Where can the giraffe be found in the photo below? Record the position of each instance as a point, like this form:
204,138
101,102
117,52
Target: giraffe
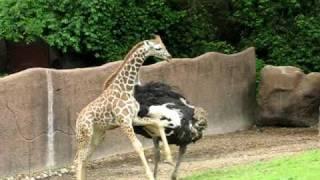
116,107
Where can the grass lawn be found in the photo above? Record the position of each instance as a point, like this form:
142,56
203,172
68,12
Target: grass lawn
304,166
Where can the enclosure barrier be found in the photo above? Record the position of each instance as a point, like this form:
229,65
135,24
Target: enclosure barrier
39,106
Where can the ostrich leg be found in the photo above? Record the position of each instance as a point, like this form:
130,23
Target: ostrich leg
182,151
128,130
156,150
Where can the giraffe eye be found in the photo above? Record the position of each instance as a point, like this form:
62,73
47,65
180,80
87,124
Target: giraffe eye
157,47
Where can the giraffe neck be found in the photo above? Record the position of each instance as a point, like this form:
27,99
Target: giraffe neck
127,77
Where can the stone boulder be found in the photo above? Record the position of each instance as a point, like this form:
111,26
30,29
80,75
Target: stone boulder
39,106
288,97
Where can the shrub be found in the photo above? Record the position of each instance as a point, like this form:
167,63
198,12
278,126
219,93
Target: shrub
284,32
105,28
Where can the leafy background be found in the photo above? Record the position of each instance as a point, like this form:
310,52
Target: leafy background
284,32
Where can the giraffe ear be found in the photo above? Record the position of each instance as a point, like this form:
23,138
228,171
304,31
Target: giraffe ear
157,38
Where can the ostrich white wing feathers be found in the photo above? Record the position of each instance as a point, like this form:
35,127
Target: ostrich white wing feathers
174,116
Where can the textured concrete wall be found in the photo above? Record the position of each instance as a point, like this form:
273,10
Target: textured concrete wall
33,99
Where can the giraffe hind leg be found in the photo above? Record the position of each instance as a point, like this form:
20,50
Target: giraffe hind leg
87,140
81,160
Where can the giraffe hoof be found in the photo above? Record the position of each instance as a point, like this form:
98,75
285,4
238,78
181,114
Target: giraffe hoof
150,176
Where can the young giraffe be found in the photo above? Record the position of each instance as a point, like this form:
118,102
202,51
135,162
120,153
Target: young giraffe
117,107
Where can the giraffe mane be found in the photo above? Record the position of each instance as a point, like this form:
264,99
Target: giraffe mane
156,38
126,58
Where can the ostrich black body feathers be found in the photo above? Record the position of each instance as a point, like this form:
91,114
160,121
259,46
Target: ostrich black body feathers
186,122
156,96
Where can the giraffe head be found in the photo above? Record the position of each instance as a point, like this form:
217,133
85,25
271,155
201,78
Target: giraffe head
156,48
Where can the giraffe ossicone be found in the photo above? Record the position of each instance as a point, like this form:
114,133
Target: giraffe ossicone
117,107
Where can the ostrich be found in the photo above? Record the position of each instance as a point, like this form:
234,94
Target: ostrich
187,122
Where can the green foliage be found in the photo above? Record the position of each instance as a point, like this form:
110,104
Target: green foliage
302,166
105,28
195,34
259,65
218,46
108,28
285,32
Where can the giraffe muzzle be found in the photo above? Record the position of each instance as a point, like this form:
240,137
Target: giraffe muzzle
169,58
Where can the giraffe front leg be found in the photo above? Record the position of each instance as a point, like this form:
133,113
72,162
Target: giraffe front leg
167,151
160,126
128,130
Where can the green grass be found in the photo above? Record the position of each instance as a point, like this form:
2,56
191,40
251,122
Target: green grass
304,166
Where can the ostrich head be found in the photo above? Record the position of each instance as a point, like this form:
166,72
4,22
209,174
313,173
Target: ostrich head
200,123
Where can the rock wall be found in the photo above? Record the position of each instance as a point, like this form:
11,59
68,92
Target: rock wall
39,106
288,97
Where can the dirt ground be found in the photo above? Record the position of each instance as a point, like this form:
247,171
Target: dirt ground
212,152
216,151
